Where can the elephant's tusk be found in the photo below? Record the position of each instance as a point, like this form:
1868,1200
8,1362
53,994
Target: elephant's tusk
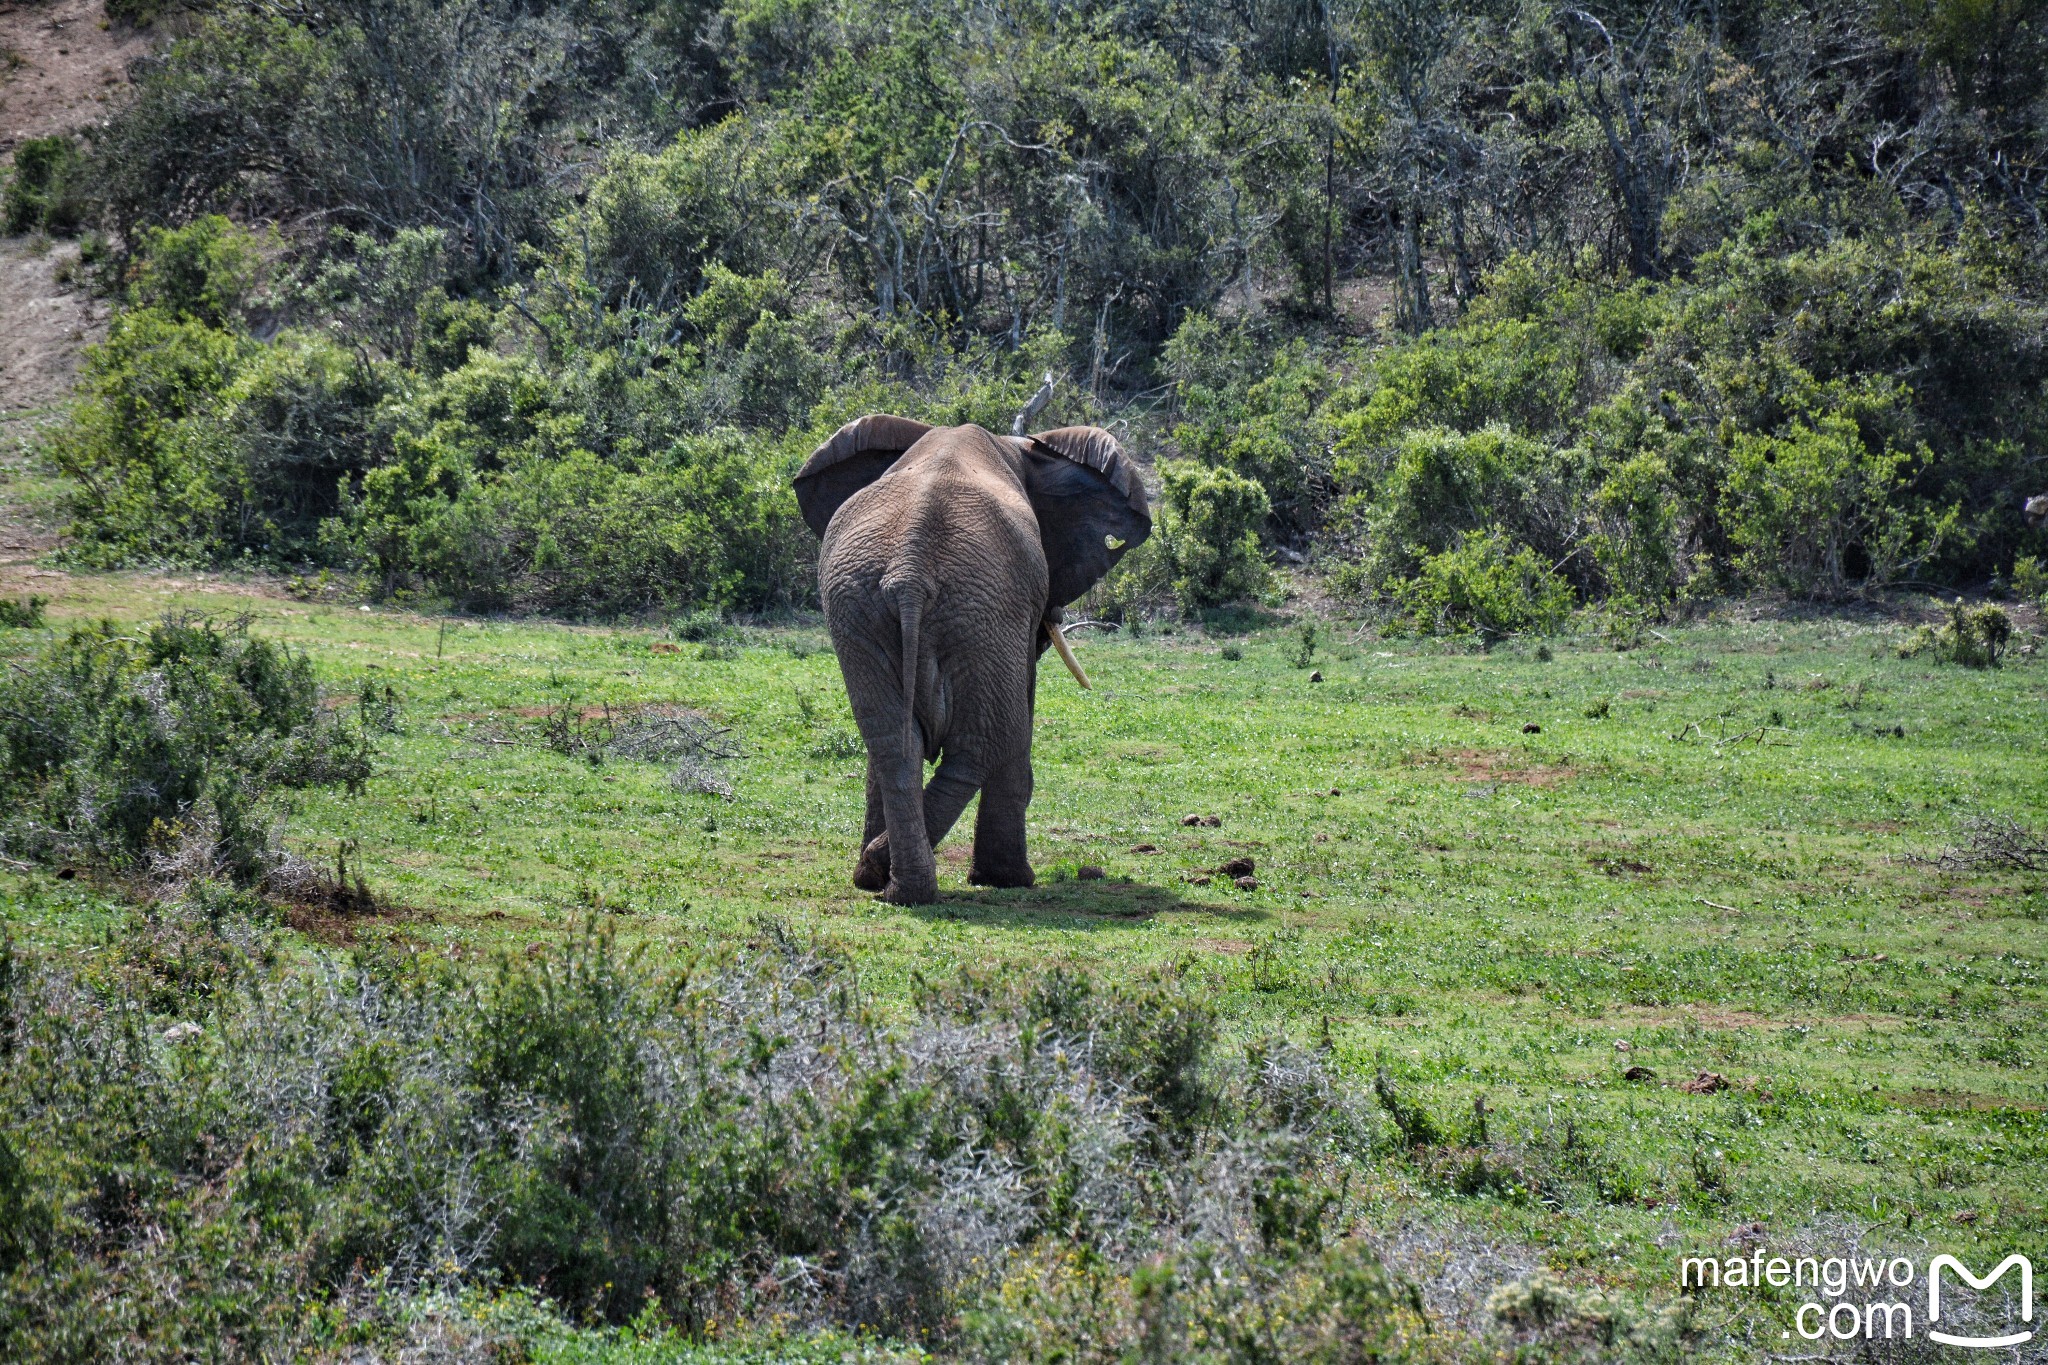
1059,642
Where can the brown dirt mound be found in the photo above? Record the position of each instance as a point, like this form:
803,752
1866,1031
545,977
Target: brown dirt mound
1494,765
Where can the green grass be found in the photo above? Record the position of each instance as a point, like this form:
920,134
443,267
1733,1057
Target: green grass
1701,861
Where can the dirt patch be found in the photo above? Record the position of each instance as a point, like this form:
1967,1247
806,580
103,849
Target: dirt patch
61,63
47,322
334,912
1494,765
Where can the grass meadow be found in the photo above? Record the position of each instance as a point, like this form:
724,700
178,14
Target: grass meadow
1655,944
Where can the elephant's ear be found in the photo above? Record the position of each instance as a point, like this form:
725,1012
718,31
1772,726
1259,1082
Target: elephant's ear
857,454
1091,506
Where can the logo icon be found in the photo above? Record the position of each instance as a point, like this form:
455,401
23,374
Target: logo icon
1934,1269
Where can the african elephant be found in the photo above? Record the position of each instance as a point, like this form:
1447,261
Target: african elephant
947,556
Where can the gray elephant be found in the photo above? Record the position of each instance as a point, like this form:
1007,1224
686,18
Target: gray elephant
947,556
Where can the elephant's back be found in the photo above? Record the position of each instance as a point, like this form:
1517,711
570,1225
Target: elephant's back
952,529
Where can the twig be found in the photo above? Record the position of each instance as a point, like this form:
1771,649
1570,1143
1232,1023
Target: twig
1716,905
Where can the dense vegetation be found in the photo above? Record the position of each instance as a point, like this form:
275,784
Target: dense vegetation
706,1145
152,755
537,303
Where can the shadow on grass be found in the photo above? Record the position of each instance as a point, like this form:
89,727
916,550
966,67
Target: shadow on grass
1239,619
1105,904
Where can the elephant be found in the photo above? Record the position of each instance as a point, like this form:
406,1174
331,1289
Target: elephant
947,556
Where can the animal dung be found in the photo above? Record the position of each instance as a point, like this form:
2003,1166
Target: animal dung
1195,879
1238,867
1316,676
1639,1073
1190,820
1144,848
664,647
1090,873
1706,1083
1247,883
1532,728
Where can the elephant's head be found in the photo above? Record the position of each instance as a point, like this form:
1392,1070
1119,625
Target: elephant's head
1090,502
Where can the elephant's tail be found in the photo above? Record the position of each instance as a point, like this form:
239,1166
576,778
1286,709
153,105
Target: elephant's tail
909,615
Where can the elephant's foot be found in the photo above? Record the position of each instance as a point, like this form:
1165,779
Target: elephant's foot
916,891
871,873
1001,874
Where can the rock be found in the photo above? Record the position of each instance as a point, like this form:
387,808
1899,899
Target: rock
1238,867
177,1033
1090,873
1247,883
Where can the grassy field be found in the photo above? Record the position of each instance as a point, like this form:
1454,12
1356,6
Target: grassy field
1503,879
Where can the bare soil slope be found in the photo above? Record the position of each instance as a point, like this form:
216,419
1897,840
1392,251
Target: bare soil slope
60,62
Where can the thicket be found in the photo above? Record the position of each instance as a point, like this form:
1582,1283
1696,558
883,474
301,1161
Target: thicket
294,1159
1678,300
153,754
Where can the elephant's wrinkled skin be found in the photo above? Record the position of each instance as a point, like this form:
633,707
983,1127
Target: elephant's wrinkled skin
957,549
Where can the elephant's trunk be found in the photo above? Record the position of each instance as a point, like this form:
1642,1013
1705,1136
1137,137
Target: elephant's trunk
1059,642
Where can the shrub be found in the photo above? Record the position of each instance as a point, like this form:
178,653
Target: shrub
1816,508
1444,486
46,191
2030,579
208,271
22,613
1974,637
733,1139
147,470
1208,532
155,753
1488,584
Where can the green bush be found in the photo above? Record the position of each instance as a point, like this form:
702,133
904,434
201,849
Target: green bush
1975,637
46,190
155,753
1208,534
1489,584
22,613
693,1147
2030,579
147,467
1444,486
1816,509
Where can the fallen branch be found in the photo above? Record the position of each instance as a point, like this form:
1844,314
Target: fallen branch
1033,406
1716,905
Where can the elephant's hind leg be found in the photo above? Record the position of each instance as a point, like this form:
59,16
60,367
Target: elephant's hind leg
1000,858
871,872
945,796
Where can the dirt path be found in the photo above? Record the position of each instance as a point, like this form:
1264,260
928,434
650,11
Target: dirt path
61,61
